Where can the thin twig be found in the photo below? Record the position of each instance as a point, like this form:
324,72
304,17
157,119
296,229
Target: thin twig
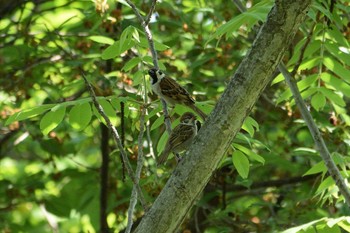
316,135
116,138
133,199
150,13
148,33
239,5
114,131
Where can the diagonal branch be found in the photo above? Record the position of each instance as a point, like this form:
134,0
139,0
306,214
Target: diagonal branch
316,135
117,140
322,148
205,153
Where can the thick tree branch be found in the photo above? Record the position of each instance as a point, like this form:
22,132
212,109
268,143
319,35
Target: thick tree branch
254,73
316,135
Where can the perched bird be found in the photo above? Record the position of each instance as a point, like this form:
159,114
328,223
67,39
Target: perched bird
169,90
181,137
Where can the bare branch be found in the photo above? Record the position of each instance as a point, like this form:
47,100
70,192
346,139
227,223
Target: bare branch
133,199
150,13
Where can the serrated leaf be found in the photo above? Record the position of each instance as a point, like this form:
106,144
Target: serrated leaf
318,101
131,64
51,120
28,113
80,116
241,163
102,39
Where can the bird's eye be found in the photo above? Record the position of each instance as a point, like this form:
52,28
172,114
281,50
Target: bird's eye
160,72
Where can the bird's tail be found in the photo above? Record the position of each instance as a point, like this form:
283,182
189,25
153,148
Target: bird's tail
199,112
163,157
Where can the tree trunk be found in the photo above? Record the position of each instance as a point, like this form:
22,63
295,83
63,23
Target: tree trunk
254,73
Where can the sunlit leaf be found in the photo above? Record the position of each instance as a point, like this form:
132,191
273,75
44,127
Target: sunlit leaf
102,39
51,120
318,101
80,116
131,64
28,113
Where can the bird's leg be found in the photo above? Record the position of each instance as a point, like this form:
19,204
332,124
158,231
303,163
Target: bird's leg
177,157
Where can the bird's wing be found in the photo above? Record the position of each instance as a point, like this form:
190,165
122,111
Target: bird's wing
180,134
170,88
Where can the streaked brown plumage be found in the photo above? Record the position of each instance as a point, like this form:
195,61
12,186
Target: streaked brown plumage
168,89
181,137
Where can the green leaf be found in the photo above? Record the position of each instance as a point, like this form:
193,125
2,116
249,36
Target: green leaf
116,49
157,123
28,113
249,125
317,168
336,35
137,78
333,97
325,184
250,17
241,163
341,53
318,101
252,155
307,82
80,116
51,120
336,83
102,39
309,64
337,68
131,64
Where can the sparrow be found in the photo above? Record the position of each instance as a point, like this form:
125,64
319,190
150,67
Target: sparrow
169,90
180,137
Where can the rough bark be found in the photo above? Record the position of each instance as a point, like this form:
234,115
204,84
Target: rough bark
254,73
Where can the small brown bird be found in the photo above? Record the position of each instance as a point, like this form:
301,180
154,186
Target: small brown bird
181,137
169,90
